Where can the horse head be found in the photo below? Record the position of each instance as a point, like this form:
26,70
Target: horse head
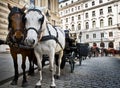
35,22
16,23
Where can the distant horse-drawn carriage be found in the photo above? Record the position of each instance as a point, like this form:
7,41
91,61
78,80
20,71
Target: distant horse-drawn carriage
73,50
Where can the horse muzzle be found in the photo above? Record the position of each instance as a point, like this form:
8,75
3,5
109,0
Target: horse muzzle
29,42
18,36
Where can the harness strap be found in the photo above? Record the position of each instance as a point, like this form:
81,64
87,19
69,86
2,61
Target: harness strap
49,37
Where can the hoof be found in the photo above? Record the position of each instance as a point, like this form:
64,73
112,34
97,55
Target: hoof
24,84
52,86
14,82
38,86
31,74
56,77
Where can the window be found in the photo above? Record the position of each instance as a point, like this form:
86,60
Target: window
101,23
66,11
102,35
79,26
71,1
87,36
100,1
66,19
61,21
110,34
87,25
66,27
93,3
78,7
110,21
86,5
66,4
109,9
93,24
101,11
94,35
93,13
72,9
86,15
72,18
79,17
72,27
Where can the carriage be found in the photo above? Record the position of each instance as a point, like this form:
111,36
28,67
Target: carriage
73,51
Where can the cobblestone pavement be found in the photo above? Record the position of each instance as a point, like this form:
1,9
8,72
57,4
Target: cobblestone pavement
102,72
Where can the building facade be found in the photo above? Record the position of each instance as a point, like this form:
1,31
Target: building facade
96,20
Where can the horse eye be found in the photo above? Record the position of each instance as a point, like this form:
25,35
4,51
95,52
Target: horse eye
39,19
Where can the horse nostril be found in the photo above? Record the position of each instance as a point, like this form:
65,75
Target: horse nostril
33,41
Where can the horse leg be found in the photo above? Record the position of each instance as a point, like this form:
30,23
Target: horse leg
24,82
39,63
52,61
31,65
59,64
14,81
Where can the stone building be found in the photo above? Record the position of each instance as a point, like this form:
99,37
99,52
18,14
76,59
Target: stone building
97,20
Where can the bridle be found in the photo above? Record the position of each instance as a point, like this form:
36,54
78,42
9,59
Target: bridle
32,28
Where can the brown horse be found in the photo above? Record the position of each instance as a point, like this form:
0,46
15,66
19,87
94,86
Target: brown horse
111,51
15,40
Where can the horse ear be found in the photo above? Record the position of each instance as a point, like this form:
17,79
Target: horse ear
23,9
9,6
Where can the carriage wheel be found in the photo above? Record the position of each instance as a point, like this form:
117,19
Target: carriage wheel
71,61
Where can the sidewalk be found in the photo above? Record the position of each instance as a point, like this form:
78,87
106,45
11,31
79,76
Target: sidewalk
7,67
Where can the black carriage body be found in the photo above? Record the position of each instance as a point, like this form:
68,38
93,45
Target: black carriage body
82,49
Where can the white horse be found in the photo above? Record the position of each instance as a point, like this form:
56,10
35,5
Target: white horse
45,39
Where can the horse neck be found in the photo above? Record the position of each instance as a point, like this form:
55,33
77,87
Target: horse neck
49,30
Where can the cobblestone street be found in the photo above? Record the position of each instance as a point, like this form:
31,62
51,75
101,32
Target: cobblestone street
101,72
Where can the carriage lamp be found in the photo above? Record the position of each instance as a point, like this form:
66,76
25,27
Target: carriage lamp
80,35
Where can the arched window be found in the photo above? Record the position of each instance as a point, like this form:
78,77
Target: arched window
102,44
101,23
87,25
110,45
93,24
72,27
110,21
79,26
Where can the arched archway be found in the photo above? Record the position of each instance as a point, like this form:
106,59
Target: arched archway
102,44
111,45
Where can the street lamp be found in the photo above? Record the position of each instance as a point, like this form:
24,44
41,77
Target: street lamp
80,35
